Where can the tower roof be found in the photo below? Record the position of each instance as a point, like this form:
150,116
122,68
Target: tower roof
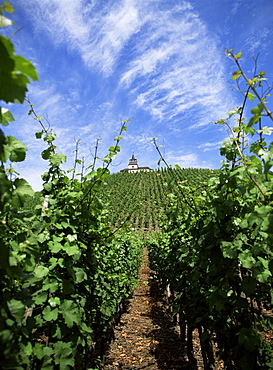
133,160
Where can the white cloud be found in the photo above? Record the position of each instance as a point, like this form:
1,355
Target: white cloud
258,40
178,68
211,146
187,160
63,19
235,6
165,56
116,28
146,64
97,32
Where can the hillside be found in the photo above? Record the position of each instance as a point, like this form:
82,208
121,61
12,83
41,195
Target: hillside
140,199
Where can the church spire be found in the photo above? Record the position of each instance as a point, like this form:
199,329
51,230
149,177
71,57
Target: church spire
133,166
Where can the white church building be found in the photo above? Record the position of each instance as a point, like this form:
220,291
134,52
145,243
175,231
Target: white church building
133,167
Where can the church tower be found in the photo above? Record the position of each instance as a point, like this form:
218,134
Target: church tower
133,166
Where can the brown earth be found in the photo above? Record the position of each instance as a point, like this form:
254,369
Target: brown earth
146,336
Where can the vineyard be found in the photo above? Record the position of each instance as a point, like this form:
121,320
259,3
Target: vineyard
141,200
70,255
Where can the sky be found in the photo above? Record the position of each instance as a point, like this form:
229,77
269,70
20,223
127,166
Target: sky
160,63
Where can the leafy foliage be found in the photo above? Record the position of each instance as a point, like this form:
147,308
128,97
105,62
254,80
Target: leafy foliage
215,252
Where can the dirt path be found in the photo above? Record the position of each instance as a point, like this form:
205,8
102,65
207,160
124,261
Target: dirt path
146,337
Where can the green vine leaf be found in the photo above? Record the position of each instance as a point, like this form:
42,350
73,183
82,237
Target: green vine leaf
39,134
54,301
13,81
5,116
57,159
4,21
70,313
21,192
236,75
251,96
17,310
50,315
49,137
47,153
40,298
64,355
7,7
265,130
38,351
41,271
25,66
238,56
15,149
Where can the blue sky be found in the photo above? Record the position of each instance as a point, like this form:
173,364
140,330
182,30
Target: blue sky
160,63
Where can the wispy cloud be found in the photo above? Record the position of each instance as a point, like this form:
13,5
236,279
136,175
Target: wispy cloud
235,6
117,27
258,41
178,68
164,55
193,160
97,31
187,160
210,146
